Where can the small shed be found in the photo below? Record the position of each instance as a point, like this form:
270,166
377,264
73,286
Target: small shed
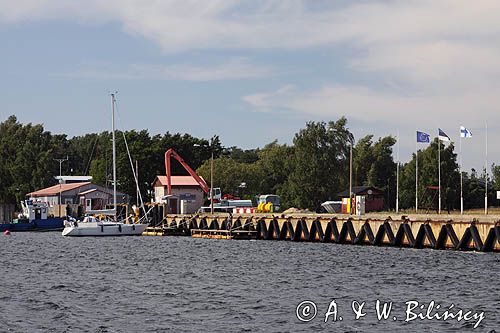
184,188
374,197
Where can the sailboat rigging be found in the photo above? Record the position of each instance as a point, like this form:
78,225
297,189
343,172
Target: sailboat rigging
93,226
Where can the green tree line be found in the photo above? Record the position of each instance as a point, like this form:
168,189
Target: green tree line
313,169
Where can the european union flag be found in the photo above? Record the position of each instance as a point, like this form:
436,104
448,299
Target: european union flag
423,137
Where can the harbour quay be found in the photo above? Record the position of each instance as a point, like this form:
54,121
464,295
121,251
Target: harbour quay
440,232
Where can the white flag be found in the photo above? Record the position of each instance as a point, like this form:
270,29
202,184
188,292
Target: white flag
464,132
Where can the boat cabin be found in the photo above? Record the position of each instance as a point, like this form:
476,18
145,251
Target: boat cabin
34,210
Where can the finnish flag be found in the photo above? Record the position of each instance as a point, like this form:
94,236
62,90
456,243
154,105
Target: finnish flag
442,135
464,132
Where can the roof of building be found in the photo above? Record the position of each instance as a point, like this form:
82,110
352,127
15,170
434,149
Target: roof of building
177,180
361,190
74,178
56,189
88,191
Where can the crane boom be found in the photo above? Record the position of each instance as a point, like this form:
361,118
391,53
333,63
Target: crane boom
172,153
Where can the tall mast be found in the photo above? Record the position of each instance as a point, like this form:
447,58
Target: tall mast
114,153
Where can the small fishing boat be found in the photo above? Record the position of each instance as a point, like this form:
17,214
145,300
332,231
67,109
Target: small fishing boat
108,225
34,217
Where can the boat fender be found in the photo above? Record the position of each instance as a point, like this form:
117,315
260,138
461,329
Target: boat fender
6,233
75,224
102,228
133,227
119,227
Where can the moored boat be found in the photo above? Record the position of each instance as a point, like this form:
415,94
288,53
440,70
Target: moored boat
332,207
92,226
34,218
109,225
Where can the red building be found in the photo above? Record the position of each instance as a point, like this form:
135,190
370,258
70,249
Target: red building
374,197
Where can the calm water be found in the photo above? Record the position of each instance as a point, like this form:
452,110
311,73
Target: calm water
179,284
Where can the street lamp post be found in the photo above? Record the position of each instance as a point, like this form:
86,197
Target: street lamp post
331,129
60,160
211,194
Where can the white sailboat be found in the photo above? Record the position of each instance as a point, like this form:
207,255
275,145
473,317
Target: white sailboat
93,226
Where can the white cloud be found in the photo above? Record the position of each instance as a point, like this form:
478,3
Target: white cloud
187,24
414,40
421,61
269,100
369,105
233,69
434,62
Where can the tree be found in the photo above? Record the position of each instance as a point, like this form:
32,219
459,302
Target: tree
319,164
240,155
495,175
473,190
362,160
27,154
373,165
229,174
382,172
274,165
428,175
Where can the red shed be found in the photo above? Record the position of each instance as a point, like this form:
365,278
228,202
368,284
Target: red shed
374,197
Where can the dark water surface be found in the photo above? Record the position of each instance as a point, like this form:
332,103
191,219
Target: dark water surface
179,284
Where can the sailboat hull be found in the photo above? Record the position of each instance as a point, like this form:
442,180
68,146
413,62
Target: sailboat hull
93,229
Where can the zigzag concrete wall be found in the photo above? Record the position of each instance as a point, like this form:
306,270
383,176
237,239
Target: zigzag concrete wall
462,235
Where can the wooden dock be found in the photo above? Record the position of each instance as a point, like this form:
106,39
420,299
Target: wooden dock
224,234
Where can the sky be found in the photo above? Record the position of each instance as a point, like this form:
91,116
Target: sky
255,71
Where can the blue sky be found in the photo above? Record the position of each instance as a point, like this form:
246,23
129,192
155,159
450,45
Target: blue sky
255,71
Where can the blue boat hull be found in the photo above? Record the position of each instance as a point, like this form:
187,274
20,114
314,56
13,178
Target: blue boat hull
52,224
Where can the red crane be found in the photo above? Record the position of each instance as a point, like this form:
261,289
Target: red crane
193,174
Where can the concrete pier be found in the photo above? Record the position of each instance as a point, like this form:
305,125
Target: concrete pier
414,231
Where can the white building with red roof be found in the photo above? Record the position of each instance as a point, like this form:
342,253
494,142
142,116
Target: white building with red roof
185,190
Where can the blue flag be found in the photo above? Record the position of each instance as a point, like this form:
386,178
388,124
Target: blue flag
423,137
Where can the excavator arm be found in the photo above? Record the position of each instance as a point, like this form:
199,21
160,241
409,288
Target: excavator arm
171,153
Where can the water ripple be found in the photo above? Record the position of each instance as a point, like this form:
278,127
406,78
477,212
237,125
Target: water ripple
178,284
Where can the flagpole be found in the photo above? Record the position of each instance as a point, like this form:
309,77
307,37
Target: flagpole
416,175
486,176
439,174
461,181
397,179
